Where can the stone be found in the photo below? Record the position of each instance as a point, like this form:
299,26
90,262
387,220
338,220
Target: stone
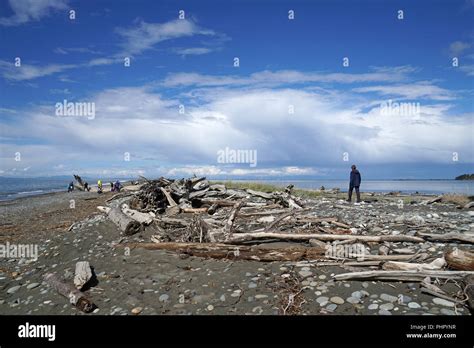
414,305
331,307
353,300
13,289
443,302
387,306
357,294
137,310
163,298
222,298
446,311
322,299
337,300
32,285
373,306
388,298
305,273
210,307
384,312
252,285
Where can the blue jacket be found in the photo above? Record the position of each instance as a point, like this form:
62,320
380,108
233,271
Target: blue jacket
355,178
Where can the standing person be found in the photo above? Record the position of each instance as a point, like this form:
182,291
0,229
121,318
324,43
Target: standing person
70,188
99,186
117,186
354,182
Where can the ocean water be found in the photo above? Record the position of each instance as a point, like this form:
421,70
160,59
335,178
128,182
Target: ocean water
12,188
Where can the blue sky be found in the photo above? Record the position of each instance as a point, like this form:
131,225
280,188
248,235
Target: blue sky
297,64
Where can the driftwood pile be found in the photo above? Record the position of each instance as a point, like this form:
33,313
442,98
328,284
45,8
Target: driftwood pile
195,217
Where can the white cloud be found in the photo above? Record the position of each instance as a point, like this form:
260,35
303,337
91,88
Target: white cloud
196,51
28,72
29,10
418,90
146,35
457,48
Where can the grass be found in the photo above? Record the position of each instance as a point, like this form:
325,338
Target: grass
455,199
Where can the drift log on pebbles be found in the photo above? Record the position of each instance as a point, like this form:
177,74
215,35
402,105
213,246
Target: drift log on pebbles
125,223
460,259
225,251
76,298
448,237
402,275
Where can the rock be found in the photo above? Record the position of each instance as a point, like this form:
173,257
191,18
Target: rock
443,302
384,312
337,300
331,307
222,298
137,310
404,299
260,296
365,285
446,311
32,285
357,294
373,306
388,298
13,289
322,277
322,299
387,306
414,305
252,285
163,298
210,307
353,300
305,273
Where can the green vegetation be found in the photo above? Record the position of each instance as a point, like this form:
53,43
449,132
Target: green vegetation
465,177
256,186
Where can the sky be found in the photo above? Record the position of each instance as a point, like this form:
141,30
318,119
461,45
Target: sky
319,86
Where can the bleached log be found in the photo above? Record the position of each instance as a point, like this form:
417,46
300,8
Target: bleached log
143,218
402,275
437,264
260,194
460,259
82,274
126,224
434,200
448,237
171,202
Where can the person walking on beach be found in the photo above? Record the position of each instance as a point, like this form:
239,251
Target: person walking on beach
354,182
70,188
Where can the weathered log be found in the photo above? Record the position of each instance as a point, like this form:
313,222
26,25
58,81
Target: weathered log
194,210
142,218
82,274
243,237
74,296
462,260
448,237
225,251
434,200
468,282
126,224
260,194
402,275
437,264
171,202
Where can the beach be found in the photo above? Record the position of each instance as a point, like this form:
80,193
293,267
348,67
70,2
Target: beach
140,281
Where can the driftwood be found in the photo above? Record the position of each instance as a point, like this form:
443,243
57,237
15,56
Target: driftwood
448,237
242,237
468,282
126,224
143,218
402,275
82,274
74,296
171,202
225,251
437,264
434,200
460,259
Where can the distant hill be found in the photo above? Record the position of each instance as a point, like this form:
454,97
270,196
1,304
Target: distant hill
465,177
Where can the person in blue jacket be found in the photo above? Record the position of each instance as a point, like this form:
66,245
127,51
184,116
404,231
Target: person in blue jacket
354,182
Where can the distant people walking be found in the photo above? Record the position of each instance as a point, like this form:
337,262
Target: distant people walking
86,186
70,188
354,183
111,186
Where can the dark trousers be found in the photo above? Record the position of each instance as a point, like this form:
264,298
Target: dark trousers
357,192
